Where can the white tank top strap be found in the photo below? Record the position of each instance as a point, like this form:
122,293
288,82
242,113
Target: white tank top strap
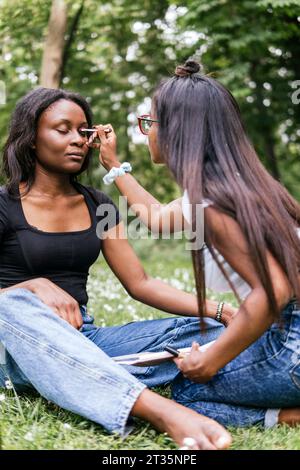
214,278
185,204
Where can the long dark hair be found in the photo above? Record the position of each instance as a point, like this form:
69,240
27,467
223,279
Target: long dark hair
205,146
19,157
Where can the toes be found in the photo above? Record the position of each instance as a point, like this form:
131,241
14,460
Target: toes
218,436
204,443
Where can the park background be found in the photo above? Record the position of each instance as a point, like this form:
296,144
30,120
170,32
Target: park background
114,53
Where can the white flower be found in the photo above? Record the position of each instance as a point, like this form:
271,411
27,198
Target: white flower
29,436
107,307
67,426
2,397
8,385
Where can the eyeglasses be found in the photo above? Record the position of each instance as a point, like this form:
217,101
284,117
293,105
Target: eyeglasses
145,122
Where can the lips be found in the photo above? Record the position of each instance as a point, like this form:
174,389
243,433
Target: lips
75,154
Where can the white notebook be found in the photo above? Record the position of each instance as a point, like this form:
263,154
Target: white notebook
152,358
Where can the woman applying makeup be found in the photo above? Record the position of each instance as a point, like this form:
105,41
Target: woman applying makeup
251,375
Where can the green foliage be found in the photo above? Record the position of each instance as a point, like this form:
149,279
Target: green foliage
116,57
253,49
121,49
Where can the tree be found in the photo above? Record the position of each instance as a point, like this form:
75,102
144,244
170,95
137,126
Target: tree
114,53
254,48
54,47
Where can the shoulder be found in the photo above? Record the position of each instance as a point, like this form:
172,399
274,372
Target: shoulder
186,208
107,211
99,196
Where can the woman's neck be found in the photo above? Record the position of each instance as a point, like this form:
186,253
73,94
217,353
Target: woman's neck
52,185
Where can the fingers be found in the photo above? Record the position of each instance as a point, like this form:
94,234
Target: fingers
103,132
70,314
181,361
190,366
60,302
109,130
73,313
77,316
68,308
91,139
62,312
178,361
71,308
94,145
195,347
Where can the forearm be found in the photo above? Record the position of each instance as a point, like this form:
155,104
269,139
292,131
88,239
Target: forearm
24,285
164,297
251,321
143,204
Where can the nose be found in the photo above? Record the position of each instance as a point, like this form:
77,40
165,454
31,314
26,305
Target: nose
78,139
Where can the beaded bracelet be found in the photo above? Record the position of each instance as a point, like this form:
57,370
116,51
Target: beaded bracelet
218,316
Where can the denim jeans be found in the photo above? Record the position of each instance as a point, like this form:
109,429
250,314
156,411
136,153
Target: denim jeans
73,369
265,375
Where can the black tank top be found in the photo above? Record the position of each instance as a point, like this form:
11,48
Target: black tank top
62,257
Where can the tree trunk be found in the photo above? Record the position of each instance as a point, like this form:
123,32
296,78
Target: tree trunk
69,42
54,47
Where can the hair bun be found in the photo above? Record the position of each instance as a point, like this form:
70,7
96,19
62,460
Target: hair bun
189,68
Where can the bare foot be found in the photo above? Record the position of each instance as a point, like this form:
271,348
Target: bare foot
289,416
184,423
180,422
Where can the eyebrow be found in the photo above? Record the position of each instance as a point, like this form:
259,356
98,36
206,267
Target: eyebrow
66,121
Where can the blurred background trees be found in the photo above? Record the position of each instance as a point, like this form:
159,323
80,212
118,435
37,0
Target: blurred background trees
115,52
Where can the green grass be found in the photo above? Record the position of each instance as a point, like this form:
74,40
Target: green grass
46,426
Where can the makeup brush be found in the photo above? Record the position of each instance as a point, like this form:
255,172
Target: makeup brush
107,130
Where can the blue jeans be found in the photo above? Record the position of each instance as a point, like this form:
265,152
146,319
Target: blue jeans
265,375
73,369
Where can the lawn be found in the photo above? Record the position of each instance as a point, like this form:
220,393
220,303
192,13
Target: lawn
42,425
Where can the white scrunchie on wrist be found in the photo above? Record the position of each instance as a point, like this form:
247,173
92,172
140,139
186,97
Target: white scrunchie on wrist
115,172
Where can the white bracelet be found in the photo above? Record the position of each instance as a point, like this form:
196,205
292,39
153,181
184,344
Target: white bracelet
115,172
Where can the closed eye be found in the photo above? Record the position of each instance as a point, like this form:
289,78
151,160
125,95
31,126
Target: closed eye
82,133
